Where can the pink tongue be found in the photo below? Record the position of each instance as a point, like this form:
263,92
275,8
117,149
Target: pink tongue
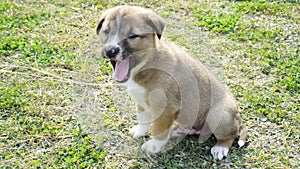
121,70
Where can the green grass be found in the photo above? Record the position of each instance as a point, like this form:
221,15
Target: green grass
38,128
60,108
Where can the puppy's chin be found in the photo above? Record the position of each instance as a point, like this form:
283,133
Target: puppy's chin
121,69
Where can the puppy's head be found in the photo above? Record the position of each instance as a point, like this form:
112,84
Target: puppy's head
127,31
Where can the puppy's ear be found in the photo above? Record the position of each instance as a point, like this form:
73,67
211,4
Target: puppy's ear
102,19
156,22
99,26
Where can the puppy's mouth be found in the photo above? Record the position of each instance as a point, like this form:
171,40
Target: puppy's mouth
121,69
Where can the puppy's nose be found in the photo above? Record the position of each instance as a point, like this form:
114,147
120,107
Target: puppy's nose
112,51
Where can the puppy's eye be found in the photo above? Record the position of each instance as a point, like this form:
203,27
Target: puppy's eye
106,31
133,36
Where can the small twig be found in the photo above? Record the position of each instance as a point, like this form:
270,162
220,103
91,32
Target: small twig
59,78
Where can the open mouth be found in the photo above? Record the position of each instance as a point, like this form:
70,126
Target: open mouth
121,69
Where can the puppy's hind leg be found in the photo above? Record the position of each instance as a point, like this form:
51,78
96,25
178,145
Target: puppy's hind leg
221,149
228,129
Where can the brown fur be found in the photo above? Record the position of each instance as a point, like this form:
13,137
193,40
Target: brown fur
149,52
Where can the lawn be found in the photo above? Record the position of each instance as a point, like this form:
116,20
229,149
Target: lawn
59,107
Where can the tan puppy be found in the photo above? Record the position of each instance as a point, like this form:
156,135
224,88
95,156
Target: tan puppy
174,92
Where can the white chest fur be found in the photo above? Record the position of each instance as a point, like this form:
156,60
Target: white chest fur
137,93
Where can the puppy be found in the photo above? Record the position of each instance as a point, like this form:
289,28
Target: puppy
175,94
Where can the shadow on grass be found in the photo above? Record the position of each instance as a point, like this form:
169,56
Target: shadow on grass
189,152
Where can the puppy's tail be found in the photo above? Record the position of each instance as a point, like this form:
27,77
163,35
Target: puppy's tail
243,134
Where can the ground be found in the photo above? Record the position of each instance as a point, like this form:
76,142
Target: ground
61,109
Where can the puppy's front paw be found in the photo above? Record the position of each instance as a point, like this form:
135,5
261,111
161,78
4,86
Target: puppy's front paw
154,146
139,130
218,152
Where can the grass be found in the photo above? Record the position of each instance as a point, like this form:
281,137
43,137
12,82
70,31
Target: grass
60,108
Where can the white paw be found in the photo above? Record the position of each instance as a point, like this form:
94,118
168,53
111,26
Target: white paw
154,146
139,130
218,152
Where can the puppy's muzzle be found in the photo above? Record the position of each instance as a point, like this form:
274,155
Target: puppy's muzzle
111,52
